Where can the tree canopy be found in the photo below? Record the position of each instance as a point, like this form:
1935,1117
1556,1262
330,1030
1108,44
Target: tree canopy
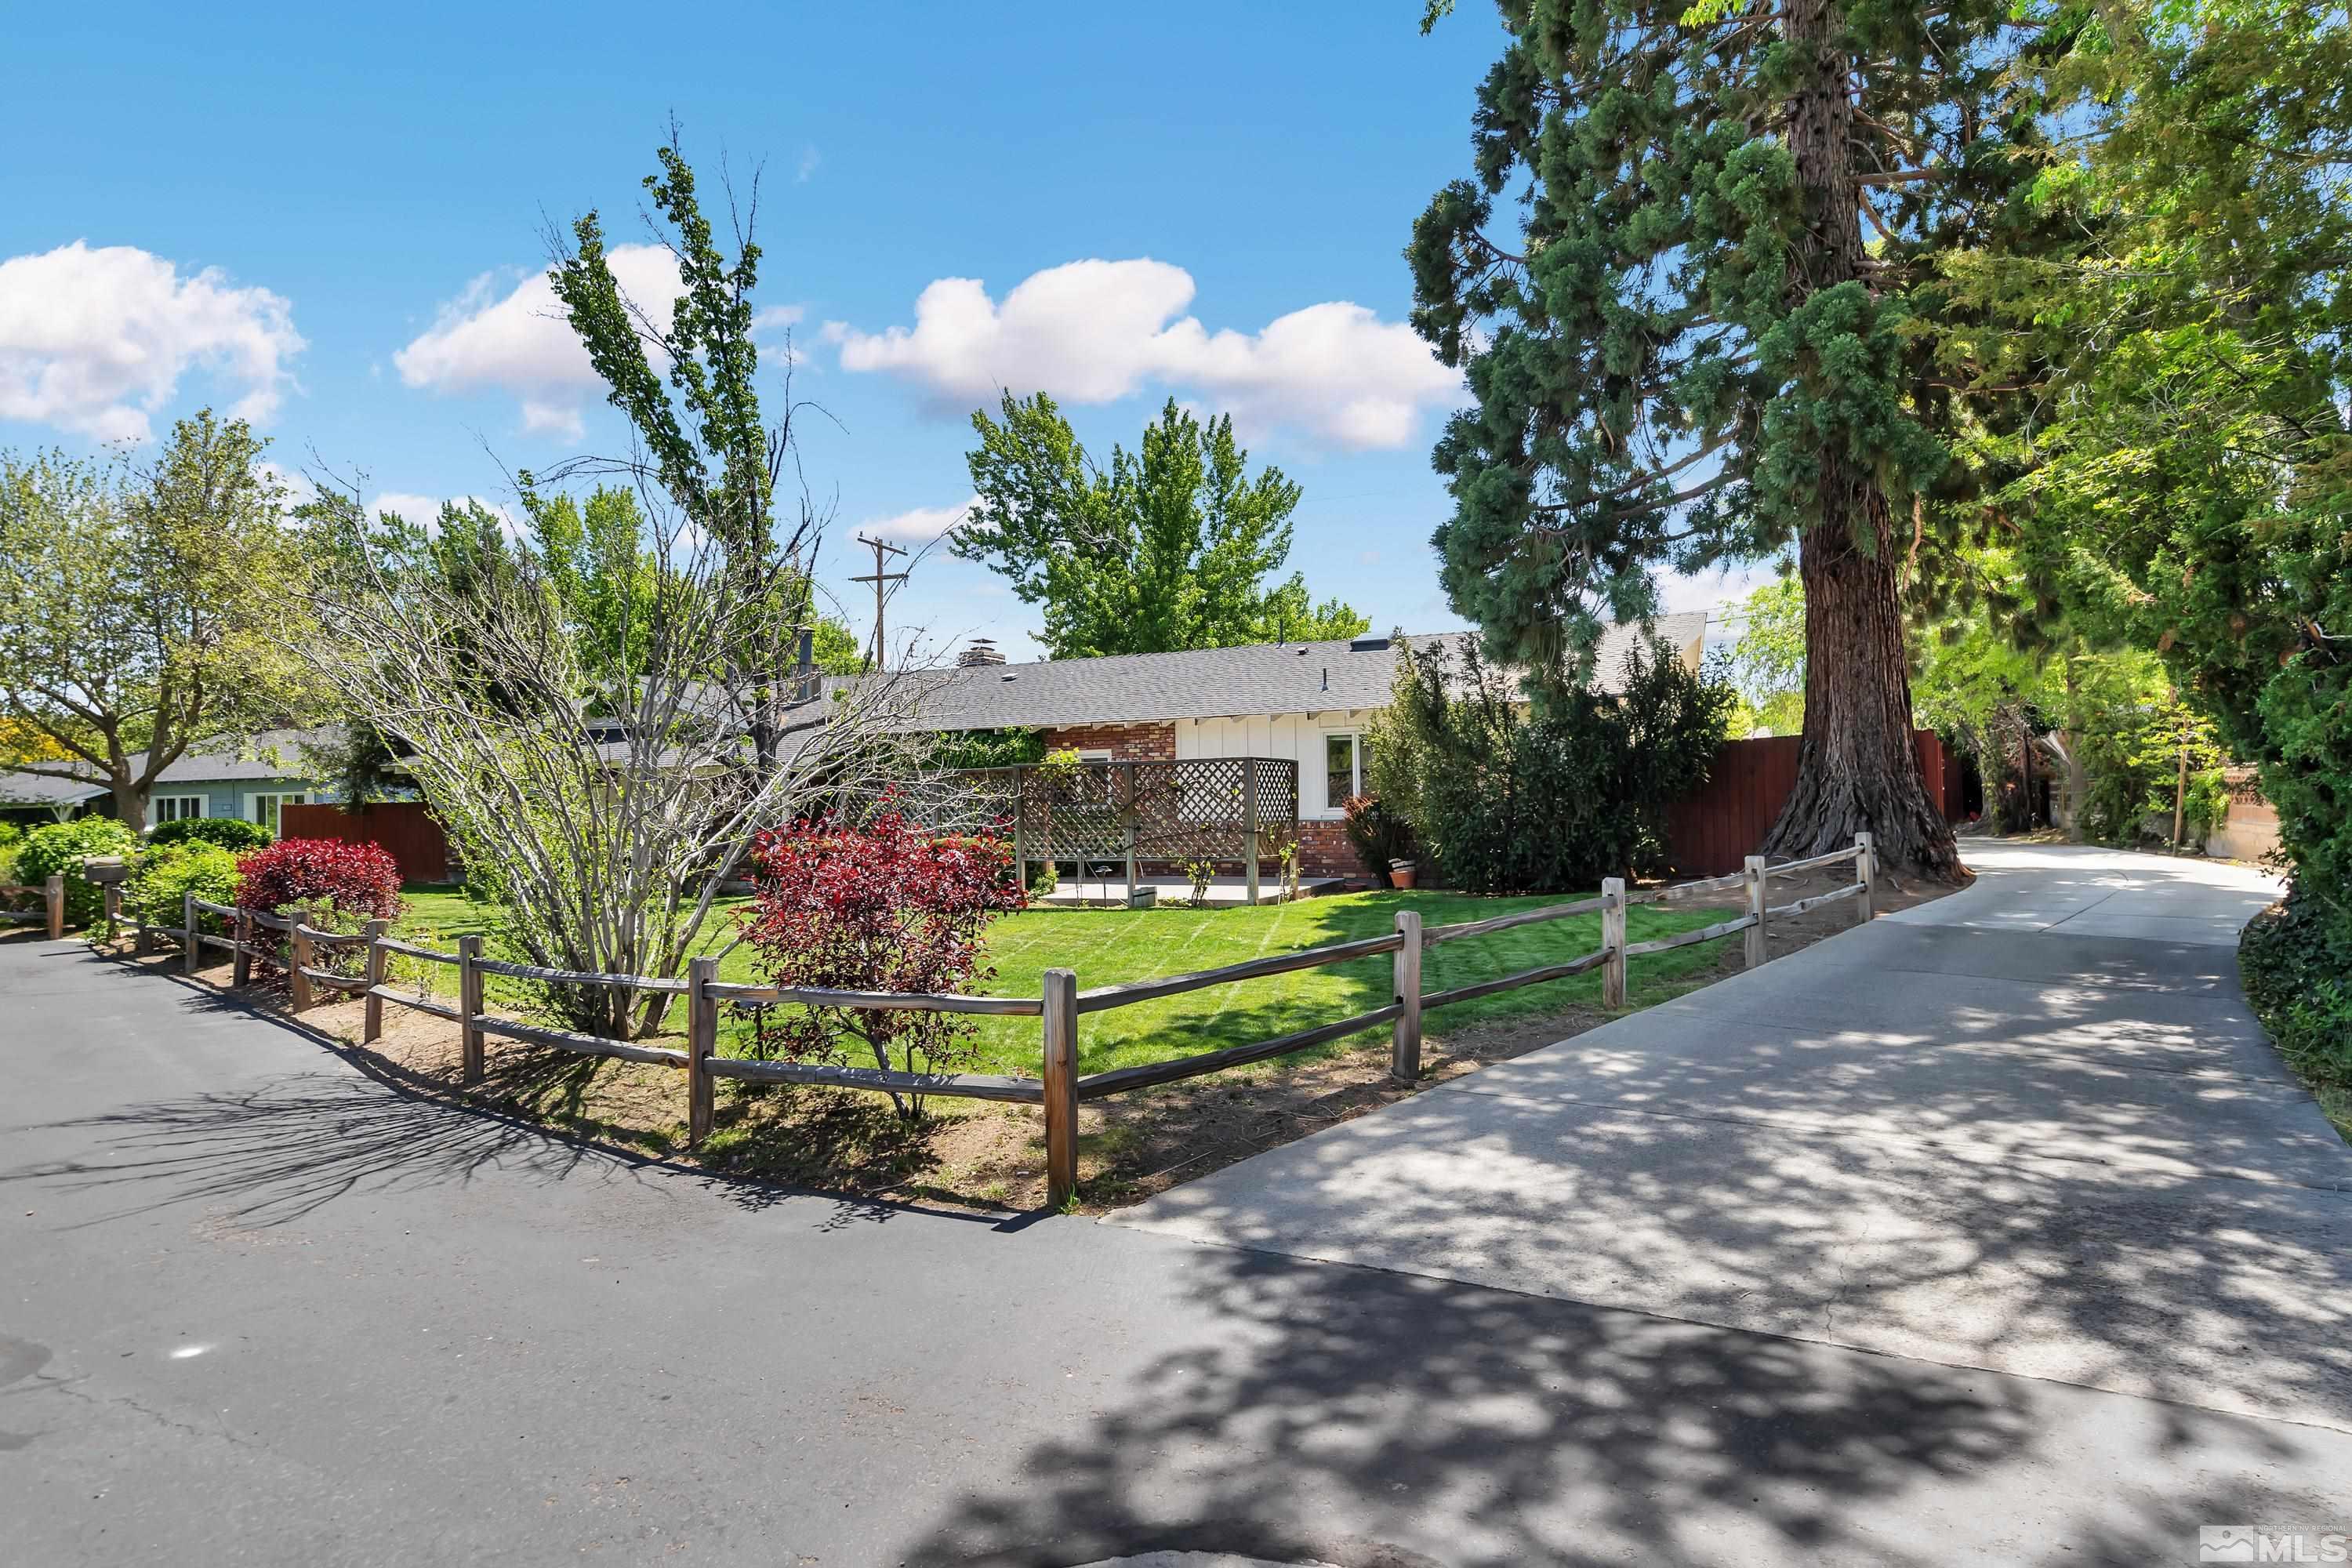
145,610
1169,548
1699,286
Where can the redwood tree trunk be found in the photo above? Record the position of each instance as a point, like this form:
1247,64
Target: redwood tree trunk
1857,769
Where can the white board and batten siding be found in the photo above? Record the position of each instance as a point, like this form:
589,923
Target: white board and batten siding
1300,738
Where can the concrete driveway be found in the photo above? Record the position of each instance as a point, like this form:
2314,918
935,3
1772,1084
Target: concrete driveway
2031,1128
1933,1244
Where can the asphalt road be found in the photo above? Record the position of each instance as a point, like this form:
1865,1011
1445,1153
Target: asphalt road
259,1307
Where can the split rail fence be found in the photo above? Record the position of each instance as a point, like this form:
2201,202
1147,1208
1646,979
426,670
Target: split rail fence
52,913
1059,1088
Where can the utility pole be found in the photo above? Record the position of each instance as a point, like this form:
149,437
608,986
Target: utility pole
882,579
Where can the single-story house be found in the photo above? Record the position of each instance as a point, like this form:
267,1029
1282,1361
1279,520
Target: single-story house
250,782
1306,702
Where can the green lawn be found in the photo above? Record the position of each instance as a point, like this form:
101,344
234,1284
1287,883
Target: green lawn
1108,946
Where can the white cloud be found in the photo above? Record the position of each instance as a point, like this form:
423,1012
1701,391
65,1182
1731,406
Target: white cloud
519,340
1717,589
96,340
774,317
1094,331
810,159
922,524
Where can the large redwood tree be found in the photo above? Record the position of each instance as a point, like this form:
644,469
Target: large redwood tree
1713,320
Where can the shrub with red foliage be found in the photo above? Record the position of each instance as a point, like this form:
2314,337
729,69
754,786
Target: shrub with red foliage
358,879
886,906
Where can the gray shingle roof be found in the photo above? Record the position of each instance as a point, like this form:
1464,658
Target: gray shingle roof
272,755
1208,683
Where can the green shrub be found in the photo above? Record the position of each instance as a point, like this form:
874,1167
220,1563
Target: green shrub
987,748
1505,793
229,832
164,873
1379,834
12,838
62,847
2296,961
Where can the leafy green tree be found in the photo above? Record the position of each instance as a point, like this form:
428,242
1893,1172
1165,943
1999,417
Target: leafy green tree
1768,662
1507,796
706,449
2188,484
143,612
1168,549
1716,324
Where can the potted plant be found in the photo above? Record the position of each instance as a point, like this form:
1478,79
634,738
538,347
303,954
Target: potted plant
1401,874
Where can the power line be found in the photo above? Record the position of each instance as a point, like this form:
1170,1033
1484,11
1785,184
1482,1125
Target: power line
881,579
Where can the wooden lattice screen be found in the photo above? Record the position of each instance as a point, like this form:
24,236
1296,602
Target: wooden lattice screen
1219,809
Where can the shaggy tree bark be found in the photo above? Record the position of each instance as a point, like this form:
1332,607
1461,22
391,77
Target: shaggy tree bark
1857,769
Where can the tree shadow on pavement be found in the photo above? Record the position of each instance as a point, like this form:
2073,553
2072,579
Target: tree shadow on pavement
278,1150
1356,1417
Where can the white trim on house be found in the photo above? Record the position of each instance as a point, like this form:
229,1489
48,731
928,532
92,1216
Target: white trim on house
267,815
1298,738
163,808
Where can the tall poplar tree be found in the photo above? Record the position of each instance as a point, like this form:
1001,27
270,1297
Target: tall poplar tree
1712,322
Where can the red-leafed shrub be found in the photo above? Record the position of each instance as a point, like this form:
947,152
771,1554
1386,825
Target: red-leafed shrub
886,906
358,879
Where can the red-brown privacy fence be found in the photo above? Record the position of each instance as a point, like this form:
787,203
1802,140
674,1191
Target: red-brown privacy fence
405,829
1716,829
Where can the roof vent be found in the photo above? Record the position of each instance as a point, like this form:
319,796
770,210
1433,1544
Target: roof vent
1367,644
1008,677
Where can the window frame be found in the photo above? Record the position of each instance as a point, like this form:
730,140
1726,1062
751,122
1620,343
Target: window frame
279,799
157,817
1354,736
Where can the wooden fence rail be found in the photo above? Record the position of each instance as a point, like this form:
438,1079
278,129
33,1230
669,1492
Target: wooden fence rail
52,913
1059,1088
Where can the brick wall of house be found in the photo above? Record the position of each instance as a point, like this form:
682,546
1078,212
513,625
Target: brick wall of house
1323,851
1128,742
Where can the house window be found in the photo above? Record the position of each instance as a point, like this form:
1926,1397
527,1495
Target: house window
163,808
1343,768
263,808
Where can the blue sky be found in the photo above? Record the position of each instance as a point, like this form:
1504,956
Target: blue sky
332,218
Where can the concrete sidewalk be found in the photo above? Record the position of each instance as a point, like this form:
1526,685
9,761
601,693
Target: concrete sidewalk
2011,1129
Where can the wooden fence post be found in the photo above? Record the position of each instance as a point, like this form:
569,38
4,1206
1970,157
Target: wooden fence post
1249,828
1612,937
1405,1044
1126,818
1020,835
299,939
1759,896
701,1042
54,892
1865,866
242,934
192,947
470,1007
372,1005
1061,1032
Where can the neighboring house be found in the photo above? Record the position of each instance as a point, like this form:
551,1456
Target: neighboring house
2250,829
1306,702
251,781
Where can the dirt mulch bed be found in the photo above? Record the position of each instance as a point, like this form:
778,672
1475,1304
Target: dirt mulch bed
976,1154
